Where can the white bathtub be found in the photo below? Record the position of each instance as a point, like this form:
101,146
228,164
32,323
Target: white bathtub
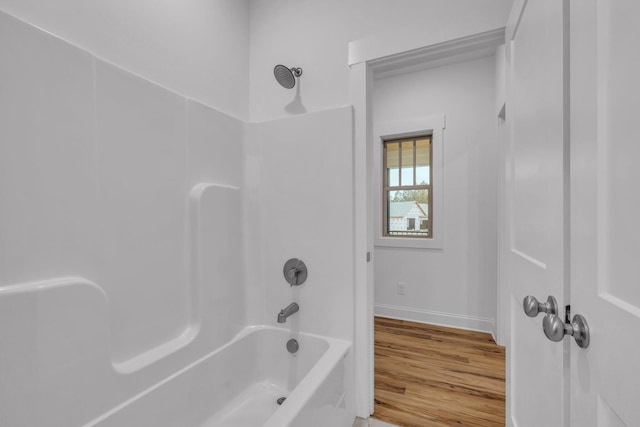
60,366
238,386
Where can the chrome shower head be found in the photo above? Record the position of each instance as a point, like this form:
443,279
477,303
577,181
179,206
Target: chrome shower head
286,76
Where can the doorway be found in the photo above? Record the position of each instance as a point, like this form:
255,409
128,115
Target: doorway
447,276
472,307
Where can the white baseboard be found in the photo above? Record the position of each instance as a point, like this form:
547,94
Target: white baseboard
459,321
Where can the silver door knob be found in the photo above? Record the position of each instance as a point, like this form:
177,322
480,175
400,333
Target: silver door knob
555,329
532,307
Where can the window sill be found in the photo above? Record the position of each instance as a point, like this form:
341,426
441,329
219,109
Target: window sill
408,242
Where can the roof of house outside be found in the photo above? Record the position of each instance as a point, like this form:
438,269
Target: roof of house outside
400,209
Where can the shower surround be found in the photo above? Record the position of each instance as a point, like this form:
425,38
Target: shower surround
143,235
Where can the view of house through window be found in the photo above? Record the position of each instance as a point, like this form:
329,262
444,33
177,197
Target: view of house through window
407,187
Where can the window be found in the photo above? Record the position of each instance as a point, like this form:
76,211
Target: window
407,195
400,158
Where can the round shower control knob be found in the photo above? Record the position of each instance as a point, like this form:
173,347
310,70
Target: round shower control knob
295,271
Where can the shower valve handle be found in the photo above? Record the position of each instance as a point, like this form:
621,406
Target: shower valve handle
295,272
293,276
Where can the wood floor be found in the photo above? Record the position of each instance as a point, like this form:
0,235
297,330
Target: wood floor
429,375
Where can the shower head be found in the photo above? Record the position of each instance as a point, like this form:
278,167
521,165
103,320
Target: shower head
286,76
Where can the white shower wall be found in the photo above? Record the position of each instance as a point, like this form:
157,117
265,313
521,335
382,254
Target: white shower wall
96,167
300,205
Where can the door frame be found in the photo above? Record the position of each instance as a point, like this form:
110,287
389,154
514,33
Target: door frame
399,50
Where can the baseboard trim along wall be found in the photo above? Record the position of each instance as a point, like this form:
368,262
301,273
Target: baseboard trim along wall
451,320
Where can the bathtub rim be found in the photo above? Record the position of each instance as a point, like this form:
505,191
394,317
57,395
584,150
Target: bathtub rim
299,396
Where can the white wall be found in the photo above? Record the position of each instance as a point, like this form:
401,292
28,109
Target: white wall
454,286
299,205
220,52
198,48
315,34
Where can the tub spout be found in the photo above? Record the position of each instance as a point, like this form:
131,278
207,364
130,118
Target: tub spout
288,311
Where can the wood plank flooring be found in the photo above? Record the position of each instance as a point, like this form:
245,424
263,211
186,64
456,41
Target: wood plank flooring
433,376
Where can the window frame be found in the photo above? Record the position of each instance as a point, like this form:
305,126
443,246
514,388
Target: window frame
386,188
405,129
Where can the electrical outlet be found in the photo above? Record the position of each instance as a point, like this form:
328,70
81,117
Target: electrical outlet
400,288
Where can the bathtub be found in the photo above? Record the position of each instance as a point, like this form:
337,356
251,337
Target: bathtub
238,385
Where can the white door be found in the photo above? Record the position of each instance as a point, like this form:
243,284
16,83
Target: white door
575,210
605,211
538,209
